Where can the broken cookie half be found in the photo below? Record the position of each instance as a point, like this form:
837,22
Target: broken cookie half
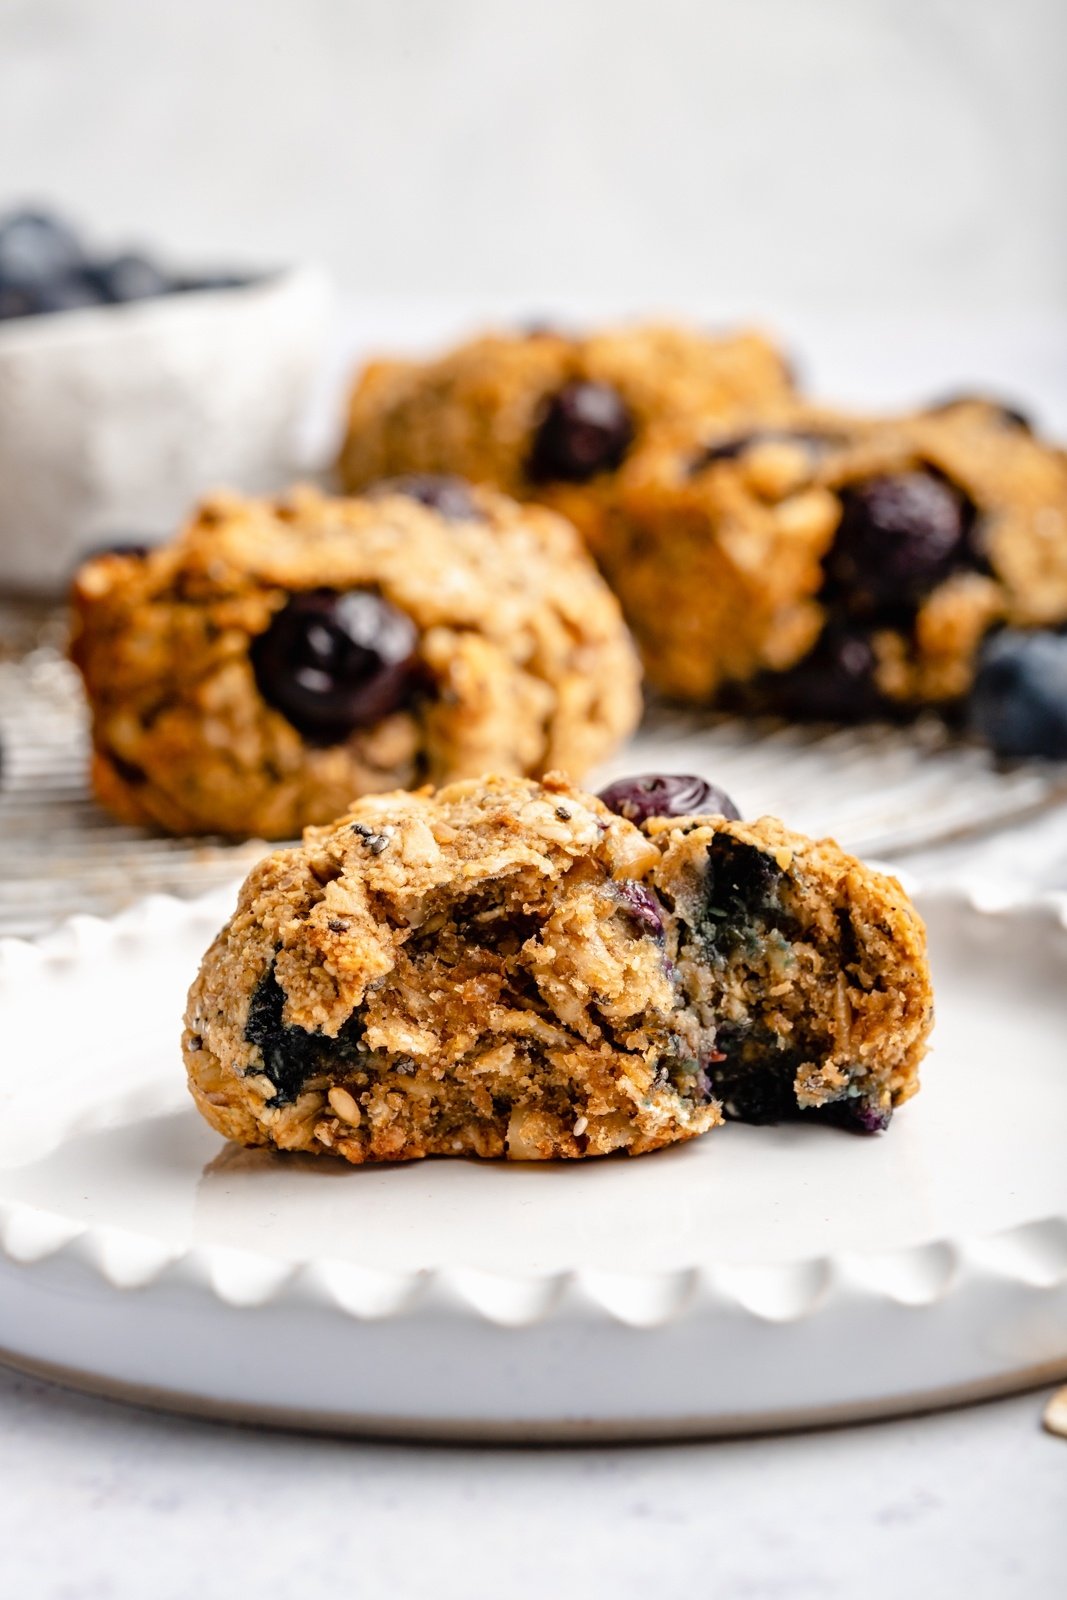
509,968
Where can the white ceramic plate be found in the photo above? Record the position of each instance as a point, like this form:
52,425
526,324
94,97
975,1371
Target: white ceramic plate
760,1277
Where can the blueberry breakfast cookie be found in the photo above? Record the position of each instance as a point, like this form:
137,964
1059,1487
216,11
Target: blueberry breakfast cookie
839,568
548,417
281,658
509,968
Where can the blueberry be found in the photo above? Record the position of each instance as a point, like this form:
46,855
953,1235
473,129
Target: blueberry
1018,703
36,248
654,794
335,662
65,294
130,277
642,906
742,882
898,537
586,428
856,1115
293,1055
836,682
449,495
1009,415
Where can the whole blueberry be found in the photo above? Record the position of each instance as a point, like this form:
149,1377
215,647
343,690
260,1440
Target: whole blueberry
333,662
449,495
835,683
130,277
1018,702
586,428
898,537
36,247
1009,415
655,794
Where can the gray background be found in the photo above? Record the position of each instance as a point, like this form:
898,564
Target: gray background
772,156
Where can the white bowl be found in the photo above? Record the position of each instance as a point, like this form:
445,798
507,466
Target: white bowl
114,419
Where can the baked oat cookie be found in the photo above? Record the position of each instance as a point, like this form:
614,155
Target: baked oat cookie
839,567
511,968
283,657
548,417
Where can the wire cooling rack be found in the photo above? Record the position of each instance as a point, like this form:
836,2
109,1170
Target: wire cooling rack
879,790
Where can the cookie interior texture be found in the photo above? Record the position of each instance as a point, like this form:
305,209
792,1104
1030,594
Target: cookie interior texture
506,968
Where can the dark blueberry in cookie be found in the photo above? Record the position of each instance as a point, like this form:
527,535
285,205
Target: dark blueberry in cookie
452,497
293,1055
1018,703
898,537
753,1073
335,662
742,883
835,683
654,794
642,905
130,277
585,429
1009,415
36,248
857,1116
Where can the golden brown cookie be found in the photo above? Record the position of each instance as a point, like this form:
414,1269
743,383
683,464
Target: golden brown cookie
547,417
838,567
511,968
281,658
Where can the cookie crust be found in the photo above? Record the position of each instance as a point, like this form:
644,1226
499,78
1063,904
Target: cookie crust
506,968
524,662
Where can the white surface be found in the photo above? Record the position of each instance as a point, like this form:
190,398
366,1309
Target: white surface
769,155
105,1503
718,1283
115,420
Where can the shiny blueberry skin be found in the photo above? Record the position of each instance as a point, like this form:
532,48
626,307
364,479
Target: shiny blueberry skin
36,248
898,537
451,496
1018,703
333,662
835,683
586,429
655,794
